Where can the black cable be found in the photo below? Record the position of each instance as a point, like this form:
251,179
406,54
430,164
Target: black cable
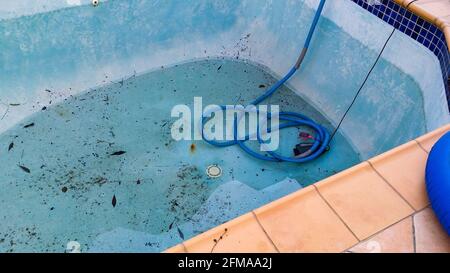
365,80
362,86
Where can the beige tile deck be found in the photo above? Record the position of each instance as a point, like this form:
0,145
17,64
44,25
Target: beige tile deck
408,183
430,236
398,238
437,8
176,249
303,222
364,200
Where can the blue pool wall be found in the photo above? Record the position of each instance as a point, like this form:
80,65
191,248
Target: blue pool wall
72,48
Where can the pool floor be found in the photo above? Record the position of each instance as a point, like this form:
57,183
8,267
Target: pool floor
102,169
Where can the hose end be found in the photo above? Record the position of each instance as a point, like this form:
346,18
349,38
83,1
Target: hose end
301,58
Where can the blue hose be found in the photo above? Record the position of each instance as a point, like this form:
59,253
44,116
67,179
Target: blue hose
290,119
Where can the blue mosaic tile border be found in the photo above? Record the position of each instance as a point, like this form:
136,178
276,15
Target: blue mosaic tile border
420,30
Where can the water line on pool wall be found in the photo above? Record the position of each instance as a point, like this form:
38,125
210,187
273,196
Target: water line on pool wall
303,152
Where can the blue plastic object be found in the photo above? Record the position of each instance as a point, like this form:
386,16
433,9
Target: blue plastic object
438,180
287,119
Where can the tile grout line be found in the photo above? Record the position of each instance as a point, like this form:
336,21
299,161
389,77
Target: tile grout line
392,187
379,232
184,247
335,212
384,229
265,232
420,145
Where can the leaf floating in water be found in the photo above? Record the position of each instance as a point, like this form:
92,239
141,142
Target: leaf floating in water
25,169
180,233
14,104
220,67
118,153
114,201
171,225
29,125
11,145
262,86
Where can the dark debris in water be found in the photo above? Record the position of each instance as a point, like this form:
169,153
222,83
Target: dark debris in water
184,195
29,125
11,145
25,169
118,153
188,186
189,172
180,233
114,201
100,180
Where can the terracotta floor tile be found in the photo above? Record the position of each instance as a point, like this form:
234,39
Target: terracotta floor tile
430,236
364,200
303,222
242,235
395,239
404,169
428,141
437,8
176,249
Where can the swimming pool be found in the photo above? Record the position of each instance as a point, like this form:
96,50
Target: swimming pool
86,99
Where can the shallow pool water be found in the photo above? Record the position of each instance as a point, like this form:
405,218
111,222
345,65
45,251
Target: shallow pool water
102,168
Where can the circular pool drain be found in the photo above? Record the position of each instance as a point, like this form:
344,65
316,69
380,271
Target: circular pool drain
214,171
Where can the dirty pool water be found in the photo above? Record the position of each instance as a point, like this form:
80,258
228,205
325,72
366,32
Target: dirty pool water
101,169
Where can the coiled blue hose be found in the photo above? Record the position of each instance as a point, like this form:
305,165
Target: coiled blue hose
290,119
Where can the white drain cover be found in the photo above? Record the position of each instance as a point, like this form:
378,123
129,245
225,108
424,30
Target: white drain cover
214,171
